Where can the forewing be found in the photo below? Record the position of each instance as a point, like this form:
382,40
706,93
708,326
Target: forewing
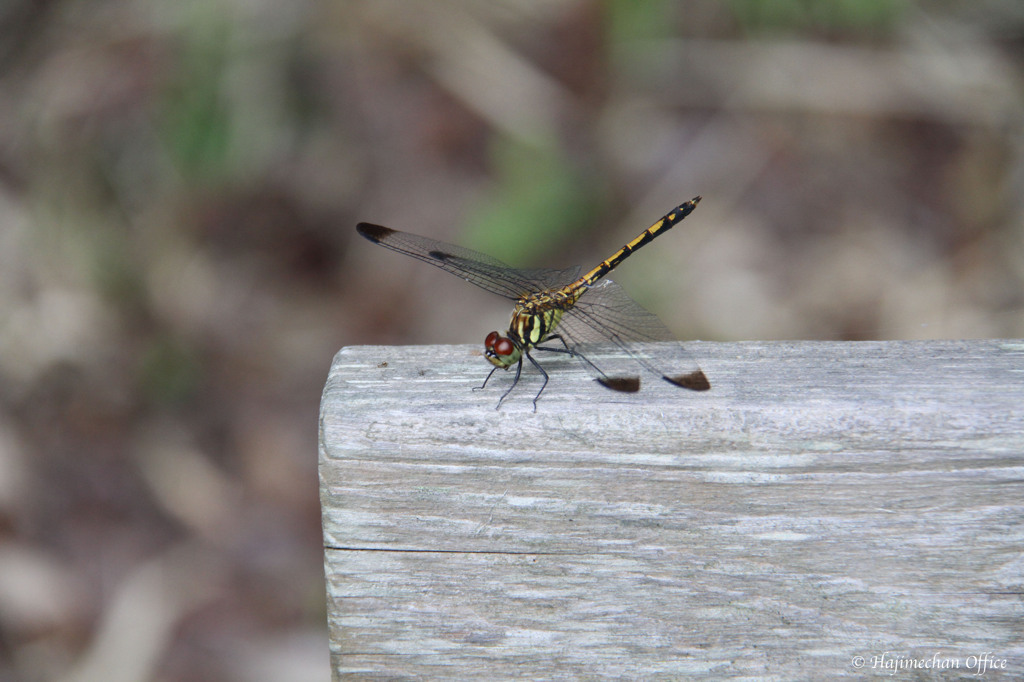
477,268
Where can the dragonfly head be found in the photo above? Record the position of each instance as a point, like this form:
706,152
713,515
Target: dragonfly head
500,351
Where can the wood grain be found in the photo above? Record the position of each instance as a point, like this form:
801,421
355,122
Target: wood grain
823,501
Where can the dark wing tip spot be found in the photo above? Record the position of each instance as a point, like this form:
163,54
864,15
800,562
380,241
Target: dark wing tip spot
439,255
695,381
623,384
375,233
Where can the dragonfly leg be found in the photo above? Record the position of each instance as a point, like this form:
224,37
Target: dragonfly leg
541,370
488,378
565,347
519,369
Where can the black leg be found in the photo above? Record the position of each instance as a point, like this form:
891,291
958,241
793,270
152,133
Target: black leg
519,369
489,374
542,386
565,347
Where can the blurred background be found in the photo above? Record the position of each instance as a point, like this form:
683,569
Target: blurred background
179,187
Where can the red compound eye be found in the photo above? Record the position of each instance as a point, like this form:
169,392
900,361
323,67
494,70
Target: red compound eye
504,347
489,341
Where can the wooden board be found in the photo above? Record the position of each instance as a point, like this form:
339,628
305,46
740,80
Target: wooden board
825,510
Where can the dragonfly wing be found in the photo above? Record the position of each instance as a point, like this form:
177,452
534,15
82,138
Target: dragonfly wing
477,268
528,281
605,315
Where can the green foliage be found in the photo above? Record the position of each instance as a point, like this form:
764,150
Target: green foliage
195,116
801,16
628,20
540,200
168,372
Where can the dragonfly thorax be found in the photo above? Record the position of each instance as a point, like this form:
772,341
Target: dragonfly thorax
533,321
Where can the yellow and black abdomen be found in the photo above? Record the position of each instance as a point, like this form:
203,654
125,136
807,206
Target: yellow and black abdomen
645,237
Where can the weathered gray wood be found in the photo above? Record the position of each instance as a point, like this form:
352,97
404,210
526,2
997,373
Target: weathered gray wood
823,501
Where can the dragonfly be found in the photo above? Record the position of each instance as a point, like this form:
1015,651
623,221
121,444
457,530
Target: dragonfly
582,313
